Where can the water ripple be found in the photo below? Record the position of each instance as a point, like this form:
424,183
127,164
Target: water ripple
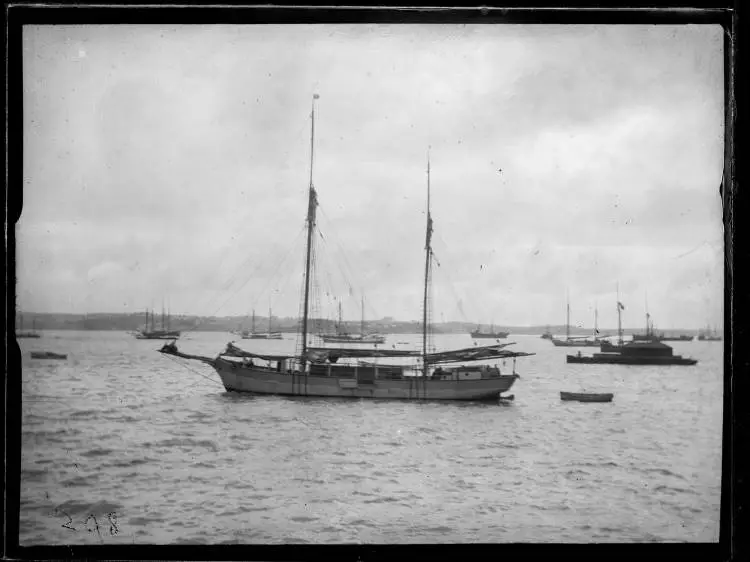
129,435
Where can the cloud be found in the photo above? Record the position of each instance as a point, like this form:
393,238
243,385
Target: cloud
174,161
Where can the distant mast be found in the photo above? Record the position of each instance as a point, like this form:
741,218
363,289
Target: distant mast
619,319
362,324
428,252
311,207
596,321
567,317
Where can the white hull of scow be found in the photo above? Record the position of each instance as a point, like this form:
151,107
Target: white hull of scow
242,378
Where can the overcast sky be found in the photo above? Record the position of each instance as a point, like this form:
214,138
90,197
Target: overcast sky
173,162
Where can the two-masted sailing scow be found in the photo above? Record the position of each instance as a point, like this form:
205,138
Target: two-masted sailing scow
253,335
343,336
320,371
584,341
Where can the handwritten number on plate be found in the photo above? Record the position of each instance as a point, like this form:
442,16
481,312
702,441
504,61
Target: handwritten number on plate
70,520
96,523
113,530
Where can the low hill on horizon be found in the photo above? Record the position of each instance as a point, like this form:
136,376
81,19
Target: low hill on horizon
132,322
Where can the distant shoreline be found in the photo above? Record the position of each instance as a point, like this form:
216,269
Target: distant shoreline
133,322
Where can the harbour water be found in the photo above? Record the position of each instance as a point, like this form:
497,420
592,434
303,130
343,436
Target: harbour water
122,445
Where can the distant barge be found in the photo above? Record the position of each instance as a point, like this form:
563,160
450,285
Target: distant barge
633,353
644,349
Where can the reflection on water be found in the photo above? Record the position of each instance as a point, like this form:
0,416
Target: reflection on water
124,445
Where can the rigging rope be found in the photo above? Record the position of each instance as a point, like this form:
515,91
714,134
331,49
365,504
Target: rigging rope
295,139
347,272
445,271
272,279
247,280
186,366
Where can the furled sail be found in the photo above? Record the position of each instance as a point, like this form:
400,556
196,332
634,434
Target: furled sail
319,354
234,351
328,353
475,354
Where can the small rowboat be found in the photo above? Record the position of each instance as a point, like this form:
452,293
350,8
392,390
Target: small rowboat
586,396
47,355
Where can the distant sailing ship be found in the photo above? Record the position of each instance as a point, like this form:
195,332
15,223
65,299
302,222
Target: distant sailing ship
652,335
320,371
547,335
341,336
491,335
709,335
253,335
21,333
153,333
578,341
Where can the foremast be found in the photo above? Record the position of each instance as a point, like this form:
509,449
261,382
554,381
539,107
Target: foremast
312,203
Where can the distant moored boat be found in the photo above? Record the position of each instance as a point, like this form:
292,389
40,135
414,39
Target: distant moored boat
491,335
645,350
253,335
586,396
47,355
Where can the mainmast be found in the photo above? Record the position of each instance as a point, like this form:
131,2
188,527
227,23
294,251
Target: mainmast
311,206
428,252
269,319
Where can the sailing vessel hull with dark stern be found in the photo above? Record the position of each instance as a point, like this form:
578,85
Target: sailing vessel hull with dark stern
357,383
